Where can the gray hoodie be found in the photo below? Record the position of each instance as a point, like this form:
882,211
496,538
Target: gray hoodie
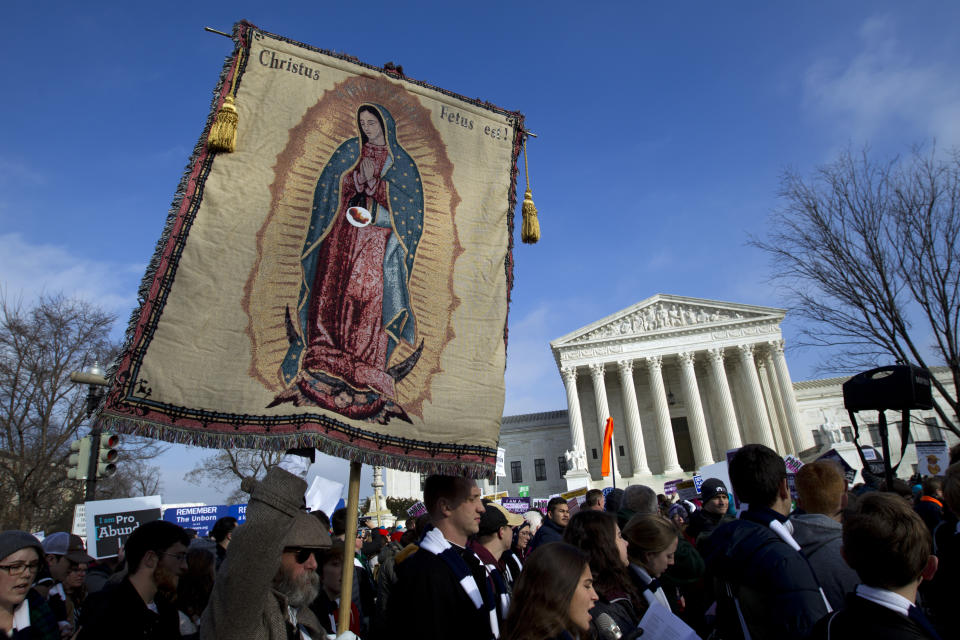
820,538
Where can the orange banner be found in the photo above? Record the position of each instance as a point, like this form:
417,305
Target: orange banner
607,443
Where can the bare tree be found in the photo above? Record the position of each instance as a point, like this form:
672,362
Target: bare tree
228,467
867,251
40,409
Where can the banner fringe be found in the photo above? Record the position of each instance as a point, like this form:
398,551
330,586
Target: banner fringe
280,442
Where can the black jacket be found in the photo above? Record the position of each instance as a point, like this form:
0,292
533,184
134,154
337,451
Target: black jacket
119,607
618,607
428,598
549,531
776,588
864,619
942,594
702,524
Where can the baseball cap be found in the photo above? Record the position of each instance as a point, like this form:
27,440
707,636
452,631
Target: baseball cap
495,517
712,487
66,544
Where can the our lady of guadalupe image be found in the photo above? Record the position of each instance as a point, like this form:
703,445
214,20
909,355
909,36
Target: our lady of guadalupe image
354,304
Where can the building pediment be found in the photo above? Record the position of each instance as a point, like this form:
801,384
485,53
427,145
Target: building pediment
664,315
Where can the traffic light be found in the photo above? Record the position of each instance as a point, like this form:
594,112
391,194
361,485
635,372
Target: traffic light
108,455
80,459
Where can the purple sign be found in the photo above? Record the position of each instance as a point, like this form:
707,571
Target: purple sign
516,505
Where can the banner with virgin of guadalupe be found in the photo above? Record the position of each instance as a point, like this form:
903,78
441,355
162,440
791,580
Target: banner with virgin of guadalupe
340,280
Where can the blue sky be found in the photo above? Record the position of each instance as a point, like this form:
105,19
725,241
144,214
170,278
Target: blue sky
663,131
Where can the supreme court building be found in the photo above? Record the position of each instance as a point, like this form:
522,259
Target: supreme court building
685,380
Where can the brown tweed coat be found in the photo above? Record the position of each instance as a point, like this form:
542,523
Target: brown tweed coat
244,605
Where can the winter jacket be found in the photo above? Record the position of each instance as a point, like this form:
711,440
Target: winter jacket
619,608
702,524
43,626
930,511
942,594
119,606
244,605
774,586
861,618
429,603
820,538
549,531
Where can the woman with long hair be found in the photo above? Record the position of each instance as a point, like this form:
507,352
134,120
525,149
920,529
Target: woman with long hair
553,596
651,544
597,534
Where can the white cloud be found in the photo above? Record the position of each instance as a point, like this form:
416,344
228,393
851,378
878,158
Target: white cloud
16,172
882,87
28,270
532,381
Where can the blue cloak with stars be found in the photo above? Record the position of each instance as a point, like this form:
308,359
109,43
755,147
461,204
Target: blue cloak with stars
404,217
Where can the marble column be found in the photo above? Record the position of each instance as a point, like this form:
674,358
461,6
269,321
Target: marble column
769,402
778,407
638,455
698,425
721,386
755,408
573,412
668,448
786,392
603,411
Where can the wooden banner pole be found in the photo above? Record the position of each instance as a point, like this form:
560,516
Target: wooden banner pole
349,547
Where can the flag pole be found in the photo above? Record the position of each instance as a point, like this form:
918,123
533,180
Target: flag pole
349,548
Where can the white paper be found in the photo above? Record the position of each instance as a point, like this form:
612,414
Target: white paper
501,469
660,623
323,495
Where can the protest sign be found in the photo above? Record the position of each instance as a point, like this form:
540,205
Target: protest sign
848,472
697,482
202,518
523,491
496,497
933,457
501,465
417,510
79,522
516,505
687,489
540,504
793,463
670,487
110,522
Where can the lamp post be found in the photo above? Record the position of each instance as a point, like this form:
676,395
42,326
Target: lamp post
93,377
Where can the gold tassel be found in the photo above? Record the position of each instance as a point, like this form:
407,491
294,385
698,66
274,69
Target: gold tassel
223,132
531,226
530,232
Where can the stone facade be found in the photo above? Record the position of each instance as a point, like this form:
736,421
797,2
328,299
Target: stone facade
685,380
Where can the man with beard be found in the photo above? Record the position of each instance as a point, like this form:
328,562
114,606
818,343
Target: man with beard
140,606
269,578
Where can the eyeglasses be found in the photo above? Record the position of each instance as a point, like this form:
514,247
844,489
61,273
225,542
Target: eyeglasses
181,557
20,568
302,554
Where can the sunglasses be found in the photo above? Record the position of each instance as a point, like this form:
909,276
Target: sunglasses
303,554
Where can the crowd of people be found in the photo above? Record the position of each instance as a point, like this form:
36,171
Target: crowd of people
837,562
